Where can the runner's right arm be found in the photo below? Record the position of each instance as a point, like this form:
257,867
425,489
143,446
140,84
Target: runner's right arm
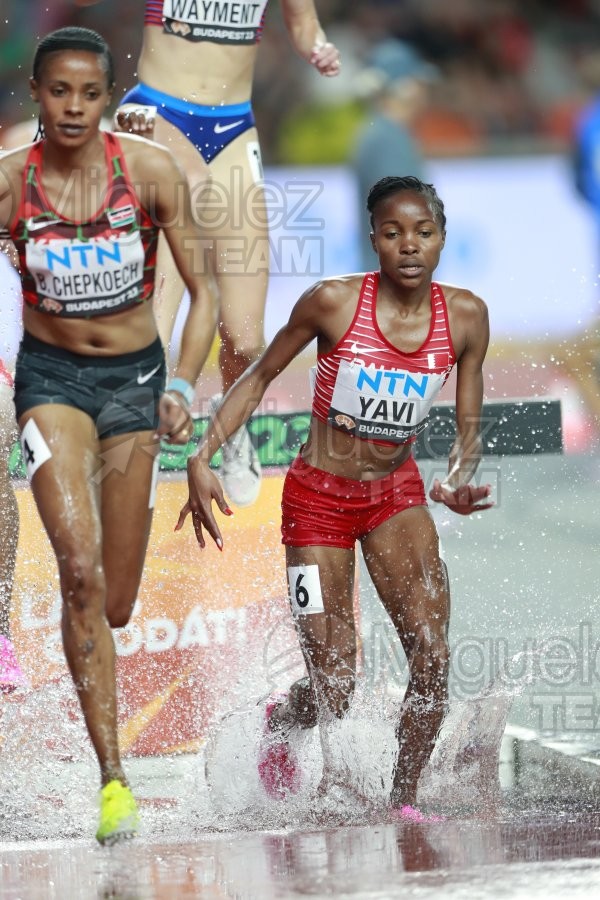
238,405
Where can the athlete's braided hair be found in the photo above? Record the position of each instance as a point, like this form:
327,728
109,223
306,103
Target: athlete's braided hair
393,184
72,38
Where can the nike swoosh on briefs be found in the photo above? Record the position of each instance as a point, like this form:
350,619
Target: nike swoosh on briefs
219,129
142,379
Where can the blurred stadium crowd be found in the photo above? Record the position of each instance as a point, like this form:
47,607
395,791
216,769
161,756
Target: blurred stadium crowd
513,73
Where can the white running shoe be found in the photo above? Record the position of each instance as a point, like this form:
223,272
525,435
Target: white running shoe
240,470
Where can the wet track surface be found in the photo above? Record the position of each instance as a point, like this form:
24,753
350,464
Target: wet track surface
533,853
539,840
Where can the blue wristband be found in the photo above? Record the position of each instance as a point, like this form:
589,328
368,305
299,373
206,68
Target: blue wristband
184,388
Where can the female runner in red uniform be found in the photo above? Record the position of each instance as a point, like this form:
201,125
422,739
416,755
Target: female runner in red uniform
386,342
89,381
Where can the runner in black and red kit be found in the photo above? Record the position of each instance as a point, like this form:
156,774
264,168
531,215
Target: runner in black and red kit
386,343
90,372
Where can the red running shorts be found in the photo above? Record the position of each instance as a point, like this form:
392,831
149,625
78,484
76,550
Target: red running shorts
321,509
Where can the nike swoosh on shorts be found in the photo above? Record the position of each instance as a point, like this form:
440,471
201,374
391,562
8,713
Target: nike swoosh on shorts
142,379
219,129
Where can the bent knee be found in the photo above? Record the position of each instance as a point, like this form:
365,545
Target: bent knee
118,618
119,607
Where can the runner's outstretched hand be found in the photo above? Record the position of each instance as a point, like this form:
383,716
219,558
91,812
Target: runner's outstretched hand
463,500
204,487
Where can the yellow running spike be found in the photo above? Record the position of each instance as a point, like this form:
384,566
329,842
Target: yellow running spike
119,817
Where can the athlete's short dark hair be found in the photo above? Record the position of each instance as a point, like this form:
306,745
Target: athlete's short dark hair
393,184
73,38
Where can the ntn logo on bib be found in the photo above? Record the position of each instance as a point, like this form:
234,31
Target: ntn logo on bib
106,272
385,404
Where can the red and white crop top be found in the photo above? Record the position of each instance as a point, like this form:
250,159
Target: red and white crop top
216,21
368,388
84,269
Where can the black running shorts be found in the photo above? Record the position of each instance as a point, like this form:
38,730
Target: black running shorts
119,393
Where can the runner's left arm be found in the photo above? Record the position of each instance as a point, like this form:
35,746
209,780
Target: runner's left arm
455,491
165,192
238,405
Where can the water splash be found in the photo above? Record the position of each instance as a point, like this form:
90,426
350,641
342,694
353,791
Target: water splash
463,772
48,775
48,767
361,749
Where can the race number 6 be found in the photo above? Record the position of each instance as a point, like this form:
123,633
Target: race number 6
304,586
302,598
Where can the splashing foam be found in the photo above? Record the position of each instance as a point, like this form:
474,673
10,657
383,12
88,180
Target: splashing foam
48,768
361,751
49,777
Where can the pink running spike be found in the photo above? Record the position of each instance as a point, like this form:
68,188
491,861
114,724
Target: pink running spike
11,674
408,813
278,767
